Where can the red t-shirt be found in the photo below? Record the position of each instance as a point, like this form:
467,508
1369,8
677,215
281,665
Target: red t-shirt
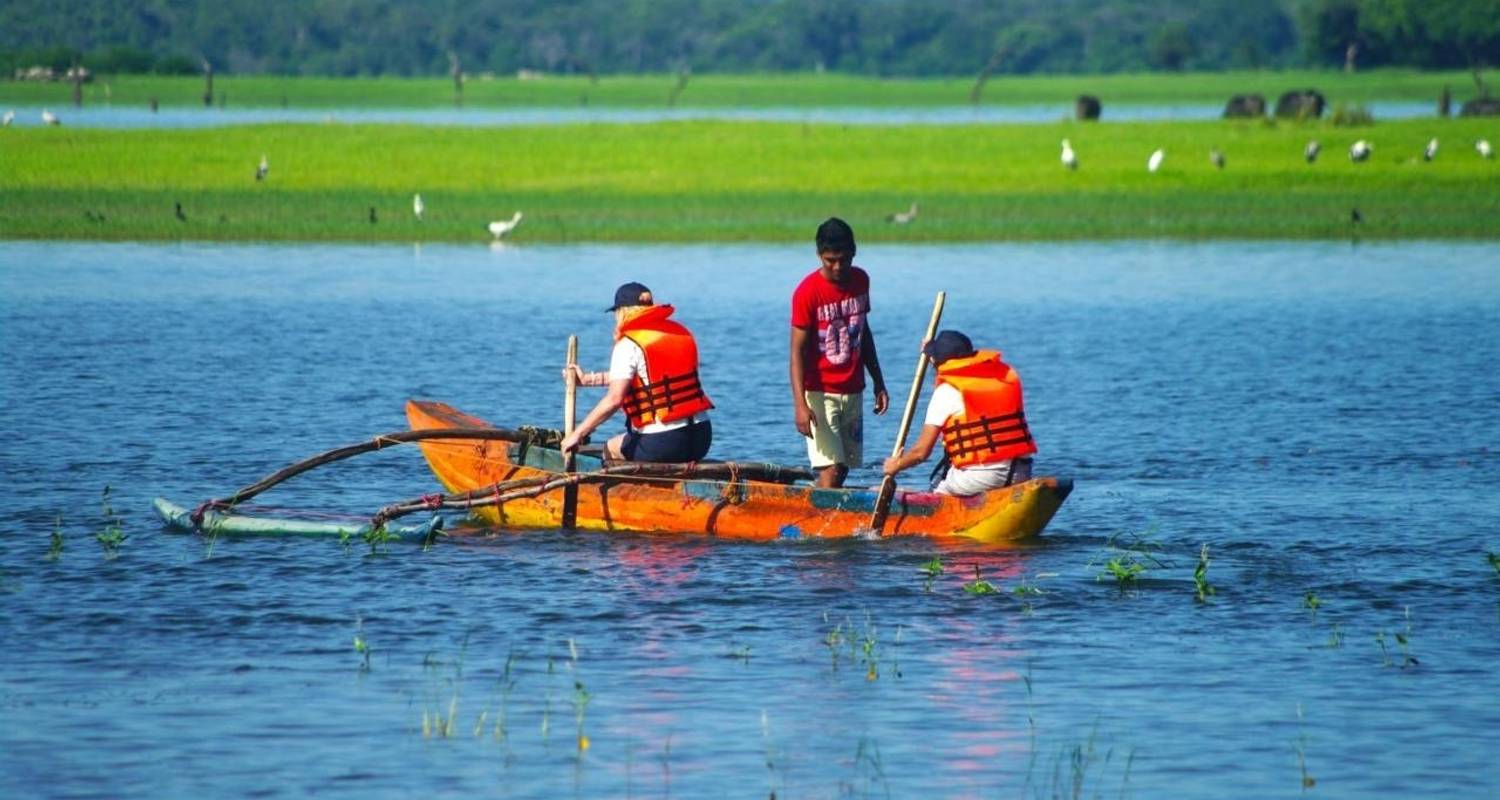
835,314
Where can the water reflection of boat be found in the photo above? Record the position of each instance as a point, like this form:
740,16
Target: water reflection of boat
744,508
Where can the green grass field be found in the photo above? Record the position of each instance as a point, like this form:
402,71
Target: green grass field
738,181
650,91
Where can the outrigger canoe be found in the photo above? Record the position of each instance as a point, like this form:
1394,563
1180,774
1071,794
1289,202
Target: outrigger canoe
729,509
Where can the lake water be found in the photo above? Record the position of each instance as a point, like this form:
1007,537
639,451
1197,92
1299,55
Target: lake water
107,116
1323,417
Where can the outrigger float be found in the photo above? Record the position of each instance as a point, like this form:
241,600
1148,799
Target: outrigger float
517,480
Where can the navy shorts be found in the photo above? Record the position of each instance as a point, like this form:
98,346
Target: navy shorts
688,443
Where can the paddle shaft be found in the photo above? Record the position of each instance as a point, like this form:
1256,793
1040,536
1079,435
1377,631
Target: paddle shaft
888,485
570,421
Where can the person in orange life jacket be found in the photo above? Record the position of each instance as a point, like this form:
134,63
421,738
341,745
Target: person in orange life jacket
653,375
977,409
831,349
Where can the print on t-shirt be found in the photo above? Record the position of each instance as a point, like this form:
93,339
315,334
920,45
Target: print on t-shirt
841,325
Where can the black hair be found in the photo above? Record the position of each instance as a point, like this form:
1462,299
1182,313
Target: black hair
835,235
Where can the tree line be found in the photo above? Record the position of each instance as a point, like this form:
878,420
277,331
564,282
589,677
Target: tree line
869,37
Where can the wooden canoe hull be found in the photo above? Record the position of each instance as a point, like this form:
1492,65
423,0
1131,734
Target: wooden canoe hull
726,509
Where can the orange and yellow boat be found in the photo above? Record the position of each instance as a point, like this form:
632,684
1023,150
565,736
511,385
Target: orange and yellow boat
729,509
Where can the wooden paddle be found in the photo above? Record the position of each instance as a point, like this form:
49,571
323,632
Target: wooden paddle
888,485
570,421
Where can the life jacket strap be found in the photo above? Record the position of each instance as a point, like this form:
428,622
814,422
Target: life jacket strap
988,433
649,401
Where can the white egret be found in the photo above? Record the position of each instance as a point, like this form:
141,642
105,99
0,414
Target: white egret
1216,157
264,168
7,118
903,217
1069,158
1154,162
1483,148
417,206
1310,152
1360,151
502,227
1430,151
49,118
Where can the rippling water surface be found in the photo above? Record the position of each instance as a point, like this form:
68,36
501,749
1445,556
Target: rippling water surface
1322,416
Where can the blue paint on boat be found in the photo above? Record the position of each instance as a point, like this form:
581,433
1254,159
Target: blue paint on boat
842,500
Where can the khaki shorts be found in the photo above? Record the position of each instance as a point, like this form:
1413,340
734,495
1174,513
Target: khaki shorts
838,429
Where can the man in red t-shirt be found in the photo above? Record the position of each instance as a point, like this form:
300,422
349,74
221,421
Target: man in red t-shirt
831,349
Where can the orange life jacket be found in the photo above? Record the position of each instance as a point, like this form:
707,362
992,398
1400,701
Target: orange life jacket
992,426
671,390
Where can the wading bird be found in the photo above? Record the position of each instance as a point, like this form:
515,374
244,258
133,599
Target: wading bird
1216,157
417,206
1310,152
1154,162
1360,151
1430,151
1482,147
903,217
502,227
177,211
7,118
264,168
49,118
1355,217
372,215
1069,158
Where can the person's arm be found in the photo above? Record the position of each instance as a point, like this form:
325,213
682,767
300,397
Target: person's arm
801,413
582,378
917,453
607,406
872,365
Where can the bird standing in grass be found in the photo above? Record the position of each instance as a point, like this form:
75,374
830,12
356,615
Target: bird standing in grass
1360,151
500,228
1216,157
903,217
418,207
49,118
177,211
372,215
1482,147
1355,217
1069,158
1154,162
1430,151
1310,152
264,168
7,118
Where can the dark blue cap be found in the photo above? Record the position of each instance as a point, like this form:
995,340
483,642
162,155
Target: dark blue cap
948,344
631,294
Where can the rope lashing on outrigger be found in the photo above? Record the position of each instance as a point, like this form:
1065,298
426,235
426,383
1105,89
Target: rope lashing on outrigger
503,492
524,436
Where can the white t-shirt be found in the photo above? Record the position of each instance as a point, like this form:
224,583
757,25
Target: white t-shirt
628,361
946,401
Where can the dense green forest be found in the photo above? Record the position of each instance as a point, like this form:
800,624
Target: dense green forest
871,37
